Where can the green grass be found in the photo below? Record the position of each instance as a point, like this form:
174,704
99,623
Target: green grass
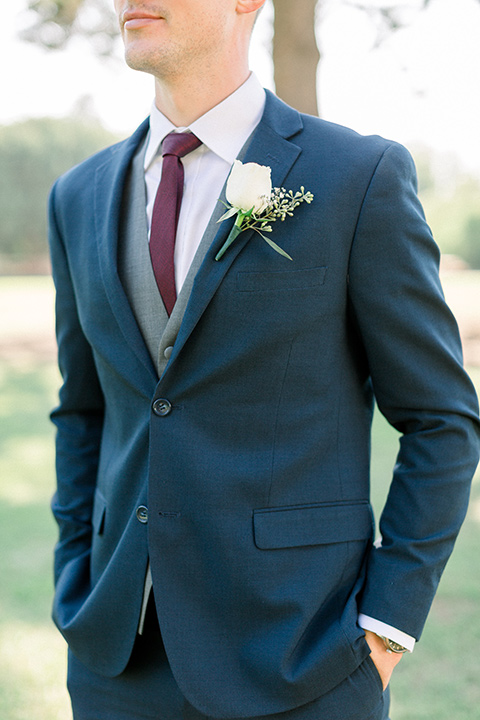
440,681
32,654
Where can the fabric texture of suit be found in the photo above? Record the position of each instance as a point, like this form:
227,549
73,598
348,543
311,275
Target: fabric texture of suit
256,472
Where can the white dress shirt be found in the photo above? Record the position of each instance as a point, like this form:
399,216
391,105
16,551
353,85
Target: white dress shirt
206,170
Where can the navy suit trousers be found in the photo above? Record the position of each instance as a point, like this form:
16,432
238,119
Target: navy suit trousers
147,690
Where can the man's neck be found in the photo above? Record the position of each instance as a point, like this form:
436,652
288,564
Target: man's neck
184,102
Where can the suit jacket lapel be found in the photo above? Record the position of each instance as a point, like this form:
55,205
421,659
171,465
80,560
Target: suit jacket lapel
174,323
269,146
109,187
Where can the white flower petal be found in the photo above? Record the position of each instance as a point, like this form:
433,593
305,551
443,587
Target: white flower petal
249,186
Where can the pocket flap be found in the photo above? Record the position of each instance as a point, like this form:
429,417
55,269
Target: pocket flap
315,524
281,279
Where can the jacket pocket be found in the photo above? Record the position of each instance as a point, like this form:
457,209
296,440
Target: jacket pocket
313,524
281,280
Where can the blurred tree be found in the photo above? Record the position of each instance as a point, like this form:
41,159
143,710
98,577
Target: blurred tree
54,22
425,171
32,154
450,198
471,243
295,49
296,54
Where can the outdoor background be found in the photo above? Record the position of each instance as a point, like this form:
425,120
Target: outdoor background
399,69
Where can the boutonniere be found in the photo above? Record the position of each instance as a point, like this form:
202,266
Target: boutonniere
256,204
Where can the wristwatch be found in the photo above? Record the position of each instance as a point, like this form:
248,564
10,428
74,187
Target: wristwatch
393,647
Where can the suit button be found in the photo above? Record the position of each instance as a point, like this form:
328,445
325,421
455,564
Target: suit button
142,514
162,407
167,352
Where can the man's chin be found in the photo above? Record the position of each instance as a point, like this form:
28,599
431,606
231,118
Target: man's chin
137,59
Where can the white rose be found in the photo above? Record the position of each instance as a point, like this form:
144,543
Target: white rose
249,186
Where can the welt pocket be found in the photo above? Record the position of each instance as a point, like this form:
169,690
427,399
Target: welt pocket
281,280
99,510
313,524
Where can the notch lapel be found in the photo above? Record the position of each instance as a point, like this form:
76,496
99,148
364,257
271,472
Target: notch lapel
110,181
269,146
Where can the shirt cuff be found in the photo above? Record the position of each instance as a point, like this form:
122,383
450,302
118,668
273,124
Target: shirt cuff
380,628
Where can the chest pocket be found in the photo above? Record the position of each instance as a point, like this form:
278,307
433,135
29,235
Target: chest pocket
281,280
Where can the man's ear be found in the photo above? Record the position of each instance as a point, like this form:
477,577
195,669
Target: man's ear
249,6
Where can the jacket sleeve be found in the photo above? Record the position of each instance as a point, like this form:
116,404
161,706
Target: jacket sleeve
414,355
79,415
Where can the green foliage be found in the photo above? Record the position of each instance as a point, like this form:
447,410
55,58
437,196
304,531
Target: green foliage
54,22
33,154
451,200
471,244
63,12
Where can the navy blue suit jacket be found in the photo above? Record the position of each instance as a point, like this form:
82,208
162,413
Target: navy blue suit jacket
257,481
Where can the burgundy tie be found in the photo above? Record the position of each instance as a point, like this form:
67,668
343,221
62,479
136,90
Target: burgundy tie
166,210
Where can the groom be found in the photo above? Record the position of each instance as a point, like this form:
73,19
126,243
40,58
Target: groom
215,557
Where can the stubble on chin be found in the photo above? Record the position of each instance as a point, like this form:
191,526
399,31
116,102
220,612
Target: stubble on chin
145,54
152,62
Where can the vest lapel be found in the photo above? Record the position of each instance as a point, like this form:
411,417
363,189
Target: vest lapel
134,262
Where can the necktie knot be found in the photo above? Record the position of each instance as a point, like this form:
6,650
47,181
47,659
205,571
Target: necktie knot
180,144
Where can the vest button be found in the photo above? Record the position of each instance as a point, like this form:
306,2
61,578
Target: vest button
142,514
162,407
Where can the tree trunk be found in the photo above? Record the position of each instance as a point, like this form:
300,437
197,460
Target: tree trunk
295,54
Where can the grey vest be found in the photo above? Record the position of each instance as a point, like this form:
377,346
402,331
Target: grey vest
159,331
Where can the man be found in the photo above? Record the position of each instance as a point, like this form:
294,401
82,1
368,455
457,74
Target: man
215,442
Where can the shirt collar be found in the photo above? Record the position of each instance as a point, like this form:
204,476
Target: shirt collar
240,112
